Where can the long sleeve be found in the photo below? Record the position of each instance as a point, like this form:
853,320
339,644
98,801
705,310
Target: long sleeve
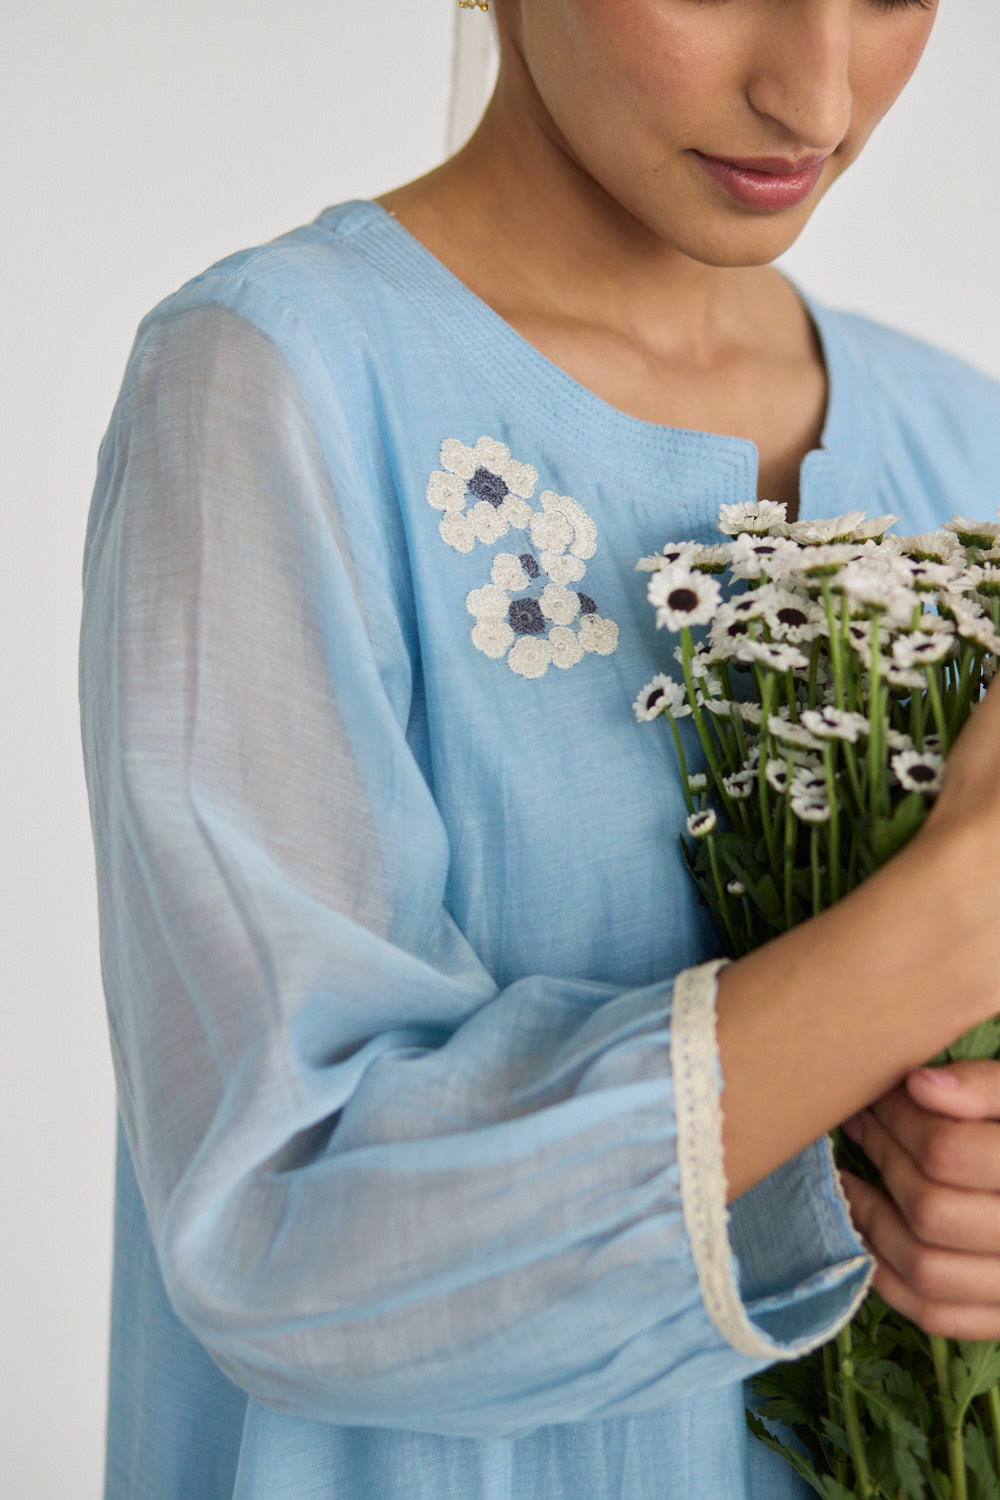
383,1189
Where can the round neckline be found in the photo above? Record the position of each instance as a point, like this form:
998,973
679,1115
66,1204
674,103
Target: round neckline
836,473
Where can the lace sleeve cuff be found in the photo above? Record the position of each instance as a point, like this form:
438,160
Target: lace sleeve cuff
784,1269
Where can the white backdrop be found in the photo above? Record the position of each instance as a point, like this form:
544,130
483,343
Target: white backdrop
140,142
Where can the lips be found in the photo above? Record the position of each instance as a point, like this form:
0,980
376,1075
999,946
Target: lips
766,183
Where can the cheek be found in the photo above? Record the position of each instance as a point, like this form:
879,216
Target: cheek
645,67
885,66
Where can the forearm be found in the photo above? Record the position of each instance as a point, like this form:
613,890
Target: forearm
827,1017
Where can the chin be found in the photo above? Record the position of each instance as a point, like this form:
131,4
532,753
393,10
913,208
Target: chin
740,242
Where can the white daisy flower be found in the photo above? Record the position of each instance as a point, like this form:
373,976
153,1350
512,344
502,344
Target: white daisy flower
492,636
597,634
859,635
821,533
720,707
796,619
810,810
919,770
981,633
930,546
878,587
907,679
751,713
873,530
713,558
698,782
927,577
918,649
736,888
826,558
740,785
974,533
702,661
776,772
809,781
661,696
984,578
774,654
529,656
682,597
830,723
565,646
763,557
897,739
701,824
673,552
756,516
792,734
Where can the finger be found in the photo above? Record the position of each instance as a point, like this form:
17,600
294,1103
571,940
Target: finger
951,1218
930,1273
959,1153
961,1090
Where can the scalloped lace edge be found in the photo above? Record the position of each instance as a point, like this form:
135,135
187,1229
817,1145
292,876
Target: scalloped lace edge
695,1067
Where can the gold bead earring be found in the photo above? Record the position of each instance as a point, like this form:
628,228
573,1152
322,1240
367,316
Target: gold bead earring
474,4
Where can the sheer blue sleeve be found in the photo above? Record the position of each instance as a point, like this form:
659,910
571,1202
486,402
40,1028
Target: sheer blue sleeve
382,1189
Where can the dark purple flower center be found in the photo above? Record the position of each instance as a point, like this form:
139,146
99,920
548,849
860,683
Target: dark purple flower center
791,616
683,600
654,697
922,773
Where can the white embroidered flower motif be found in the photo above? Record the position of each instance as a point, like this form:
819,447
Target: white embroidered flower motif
535,624
482,491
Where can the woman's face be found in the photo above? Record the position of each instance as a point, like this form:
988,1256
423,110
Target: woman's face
718,124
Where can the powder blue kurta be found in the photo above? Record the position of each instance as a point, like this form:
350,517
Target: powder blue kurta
392,912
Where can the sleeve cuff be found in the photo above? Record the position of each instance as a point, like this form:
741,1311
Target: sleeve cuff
781,1269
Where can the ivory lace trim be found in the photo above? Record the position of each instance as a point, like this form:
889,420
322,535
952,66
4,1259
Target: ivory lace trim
694,1065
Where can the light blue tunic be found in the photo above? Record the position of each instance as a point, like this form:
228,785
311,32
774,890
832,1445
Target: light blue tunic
392,909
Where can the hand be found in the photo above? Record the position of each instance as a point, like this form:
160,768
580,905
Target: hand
935,1231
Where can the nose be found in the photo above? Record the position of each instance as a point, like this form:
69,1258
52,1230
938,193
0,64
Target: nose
800,72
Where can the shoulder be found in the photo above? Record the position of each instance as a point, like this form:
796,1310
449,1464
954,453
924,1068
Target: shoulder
920,387
309,291
934,416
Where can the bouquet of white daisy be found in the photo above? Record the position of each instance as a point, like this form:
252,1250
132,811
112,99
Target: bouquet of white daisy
827,667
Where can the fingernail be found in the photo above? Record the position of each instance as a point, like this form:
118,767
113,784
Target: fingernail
854,1128
938,1078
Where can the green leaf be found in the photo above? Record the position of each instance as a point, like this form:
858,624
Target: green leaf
888,835
801,1465
981,1464
983,1041
976,1369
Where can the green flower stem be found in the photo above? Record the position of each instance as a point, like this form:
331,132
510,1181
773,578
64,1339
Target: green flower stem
792,701
832,1406
817,888
934,693
814,656
852,1422
687,651
764,687
851,762
877,788
720,891
836,641
993,1400
953,1432
683,763
966,683
918,710
833,826
790,839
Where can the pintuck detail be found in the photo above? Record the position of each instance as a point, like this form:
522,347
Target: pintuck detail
531,613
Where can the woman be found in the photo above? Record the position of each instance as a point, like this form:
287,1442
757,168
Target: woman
423,1176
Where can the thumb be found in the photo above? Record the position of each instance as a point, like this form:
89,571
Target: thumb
961,1090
